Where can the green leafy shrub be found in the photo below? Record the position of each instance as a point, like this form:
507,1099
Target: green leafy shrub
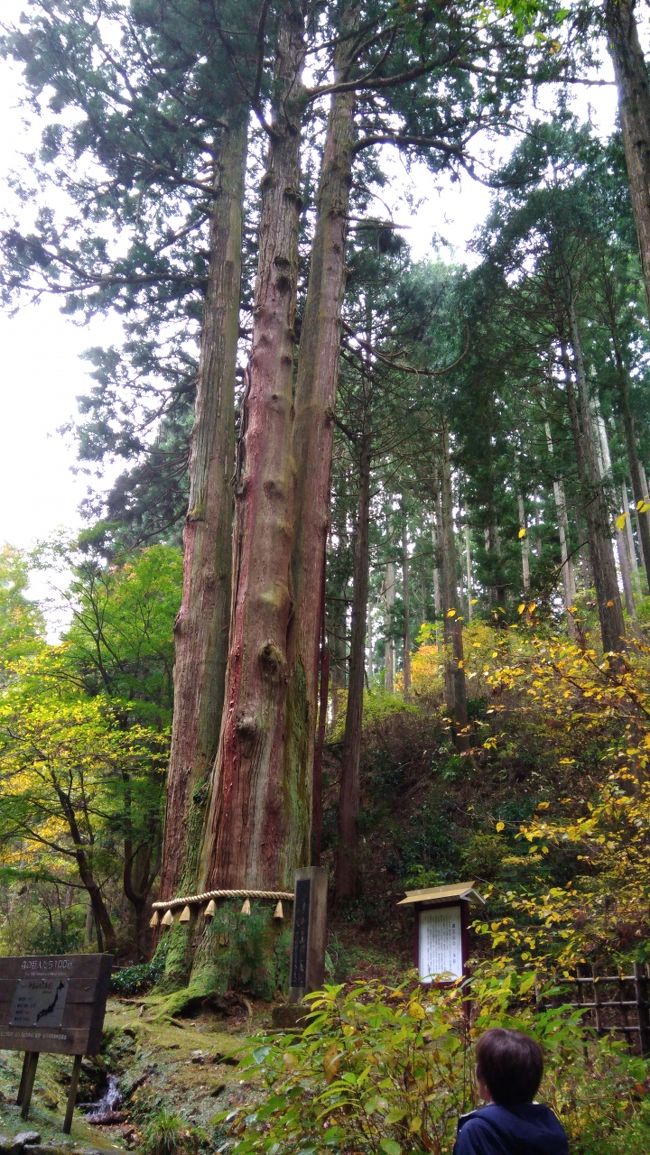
383,1070
138,979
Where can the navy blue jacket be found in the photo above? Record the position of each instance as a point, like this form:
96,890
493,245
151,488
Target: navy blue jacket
528,1129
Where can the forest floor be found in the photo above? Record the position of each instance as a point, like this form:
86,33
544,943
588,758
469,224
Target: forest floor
186,1066
189,1067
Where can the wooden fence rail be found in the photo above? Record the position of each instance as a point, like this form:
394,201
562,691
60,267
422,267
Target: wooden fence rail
617,1003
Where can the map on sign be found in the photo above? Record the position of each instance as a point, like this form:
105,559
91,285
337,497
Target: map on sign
38,1002
440,953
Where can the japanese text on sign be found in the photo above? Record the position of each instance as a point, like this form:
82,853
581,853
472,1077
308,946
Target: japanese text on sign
440,953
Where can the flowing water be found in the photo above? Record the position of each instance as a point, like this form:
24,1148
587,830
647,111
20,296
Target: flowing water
110,1102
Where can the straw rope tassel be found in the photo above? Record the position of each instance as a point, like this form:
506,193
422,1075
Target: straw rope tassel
210,910
185,914
155,919
278,912
167,918
246,908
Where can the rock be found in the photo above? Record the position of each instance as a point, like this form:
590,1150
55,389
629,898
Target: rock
25,1139
290,1016
6,1144
197,1057
45,1149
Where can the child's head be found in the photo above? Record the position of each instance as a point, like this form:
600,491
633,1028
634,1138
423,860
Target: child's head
510,1065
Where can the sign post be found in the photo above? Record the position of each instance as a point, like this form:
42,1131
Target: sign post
309,932
56,1004
442,938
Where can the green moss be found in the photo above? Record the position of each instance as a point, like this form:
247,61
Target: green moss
178,941
237,952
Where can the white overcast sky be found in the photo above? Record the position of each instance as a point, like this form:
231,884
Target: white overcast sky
42,373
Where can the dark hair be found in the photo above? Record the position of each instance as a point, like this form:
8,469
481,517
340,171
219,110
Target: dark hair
510,1064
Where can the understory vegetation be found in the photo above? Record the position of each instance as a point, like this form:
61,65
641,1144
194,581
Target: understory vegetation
371,590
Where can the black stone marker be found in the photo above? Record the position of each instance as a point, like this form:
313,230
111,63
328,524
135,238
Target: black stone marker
307,970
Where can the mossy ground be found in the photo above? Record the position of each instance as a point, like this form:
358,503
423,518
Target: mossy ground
189,1067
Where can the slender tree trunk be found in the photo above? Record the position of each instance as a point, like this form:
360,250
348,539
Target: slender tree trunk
633,85
568,572
595,510
468,572
201,629
435,541
605,464
316,382
406,667
525,545
141,863
636,473
456,686
389,644
257,828
106,937
337,635
346,867
629,535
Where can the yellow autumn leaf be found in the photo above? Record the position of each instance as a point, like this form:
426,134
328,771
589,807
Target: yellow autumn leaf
331,1062
451,613
522,532
532,606
521,607
416,1010
499,827
643,506
620,521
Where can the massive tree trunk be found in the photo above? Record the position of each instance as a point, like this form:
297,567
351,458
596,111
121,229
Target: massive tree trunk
257,825
595,510
633,85
316,383
346,868
201,629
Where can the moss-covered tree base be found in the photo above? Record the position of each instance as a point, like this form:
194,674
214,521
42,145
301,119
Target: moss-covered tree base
248,954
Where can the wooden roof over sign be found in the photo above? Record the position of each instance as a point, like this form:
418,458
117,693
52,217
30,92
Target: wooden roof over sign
458,890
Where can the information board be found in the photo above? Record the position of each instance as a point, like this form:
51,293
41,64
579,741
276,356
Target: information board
440,944
53,1003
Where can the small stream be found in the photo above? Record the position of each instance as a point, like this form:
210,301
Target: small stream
106,1108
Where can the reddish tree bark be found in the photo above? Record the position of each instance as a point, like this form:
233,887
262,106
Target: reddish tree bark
258,819
201,629
455,683
316,383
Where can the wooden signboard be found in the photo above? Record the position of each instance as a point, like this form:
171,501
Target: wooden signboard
442,938
56,1004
